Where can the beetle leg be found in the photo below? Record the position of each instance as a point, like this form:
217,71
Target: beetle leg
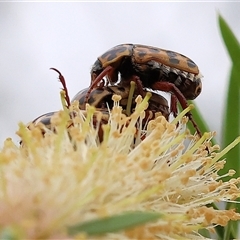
98,78
138,82
63,82
170,87
95,82
173,107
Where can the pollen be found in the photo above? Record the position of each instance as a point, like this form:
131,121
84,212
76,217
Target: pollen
116,98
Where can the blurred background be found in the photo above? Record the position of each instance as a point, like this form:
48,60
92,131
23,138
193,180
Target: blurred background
70,36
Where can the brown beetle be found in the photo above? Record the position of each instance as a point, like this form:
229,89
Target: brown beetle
101,99
150,67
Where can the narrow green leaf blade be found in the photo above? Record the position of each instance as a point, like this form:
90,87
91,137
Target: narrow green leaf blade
231,121
114,223
231,42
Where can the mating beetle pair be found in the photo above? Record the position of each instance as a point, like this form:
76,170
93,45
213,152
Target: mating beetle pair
101,99
150,68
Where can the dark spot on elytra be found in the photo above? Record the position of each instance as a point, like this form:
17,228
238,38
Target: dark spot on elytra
43,117
171,54
46,121
190,63
113,53
82,100
173,57
142,54
174,61
149,50
91,100
93,95
154,50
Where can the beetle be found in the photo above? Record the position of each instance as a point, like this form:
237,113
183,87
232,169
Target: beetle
150,67
45,120
151,64
101,99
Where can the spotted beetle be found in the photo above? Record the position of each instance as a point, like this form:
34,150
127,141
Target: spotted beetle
101,99
151,64
150,67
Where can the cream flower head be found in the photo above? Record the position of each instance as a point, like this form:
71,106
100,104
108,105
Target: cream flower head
68,177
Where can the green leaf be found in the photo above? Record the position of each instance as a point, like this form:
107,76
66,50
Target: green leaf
113,223
205,233
231,42
231,120
8,233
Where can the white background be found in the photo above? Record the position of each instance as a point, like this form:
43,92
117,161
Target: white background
70,36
